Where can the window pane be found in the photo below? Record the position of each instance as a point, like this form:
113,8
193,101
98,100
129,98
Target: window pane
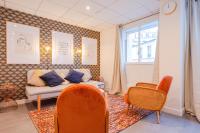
132,55
132,38
148,36
132,47
148,52
141,43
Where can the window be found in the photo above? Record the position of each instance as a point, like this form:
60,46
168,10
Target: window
141,43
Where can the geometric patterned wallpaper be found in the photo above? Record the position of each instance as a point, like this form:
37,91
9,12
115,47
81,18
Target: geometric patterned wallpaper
17,73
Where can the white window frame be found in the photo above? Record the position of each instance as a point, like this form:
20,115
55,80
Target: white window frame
130,30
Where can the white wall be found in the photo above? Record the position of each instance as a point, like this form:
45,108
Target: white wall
107,55
171,60
135,72
139,73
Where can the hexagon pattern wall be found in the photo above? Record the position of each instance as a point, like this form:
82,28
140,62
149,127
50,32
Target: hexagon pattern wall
17,73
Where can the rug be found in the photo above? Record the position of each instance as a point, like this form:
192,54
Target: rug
118,117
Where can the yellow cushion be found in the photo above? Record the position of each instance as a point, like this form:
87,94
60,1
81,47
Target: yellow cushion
63,75
35,78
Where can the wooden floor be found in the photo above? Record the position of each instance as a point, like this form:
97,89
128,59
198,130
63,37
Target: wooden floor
18,121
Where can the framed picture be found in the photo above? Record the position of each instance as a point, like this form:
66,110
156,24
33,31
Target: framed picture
89,51
62,48
22,44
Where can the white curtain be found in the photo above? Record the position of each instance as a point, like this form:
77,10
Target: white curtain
192,58
119,83
156,63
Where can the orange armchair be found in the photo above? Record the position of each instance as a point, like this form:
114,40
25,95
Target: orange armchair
81,109
149,96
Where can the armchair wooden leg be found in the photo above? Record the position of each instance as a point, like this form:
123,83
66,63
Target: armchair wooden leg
39,102
128,108
158,117
132,107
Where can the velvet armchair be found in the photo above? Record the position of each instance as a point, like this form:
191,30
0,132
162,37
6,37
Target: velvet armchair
81,109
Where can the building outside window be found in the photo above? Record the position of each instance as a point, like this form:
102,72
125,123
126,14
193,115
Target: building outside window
141,43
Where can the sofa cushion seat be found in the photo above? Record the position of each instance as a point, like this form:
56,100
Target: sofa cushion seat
34,90
95,83
46,92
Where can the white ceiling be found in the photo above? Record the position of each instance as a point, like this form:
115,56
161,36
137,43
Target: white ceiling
102,14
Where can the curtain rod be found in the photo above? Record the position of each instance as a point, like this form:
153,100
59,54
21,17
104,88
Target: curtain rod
139,19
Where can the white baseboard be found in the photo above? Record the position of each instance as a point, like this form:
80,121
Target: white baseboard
23,101
177,112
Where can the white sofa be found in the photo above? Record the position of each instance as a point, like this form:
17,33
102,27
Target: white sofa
45,92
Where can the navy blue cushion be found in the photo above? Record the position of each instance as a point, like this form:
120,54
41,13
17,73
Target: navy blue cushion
52,79
74,76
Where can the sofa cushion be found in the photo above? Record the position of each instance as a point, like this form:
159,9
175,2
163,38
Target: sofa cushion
63,73
34,78
87,74
30,72
52,79
74,76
